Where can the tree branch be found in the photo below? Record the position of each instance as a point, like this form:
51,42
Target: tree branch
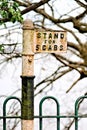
34,6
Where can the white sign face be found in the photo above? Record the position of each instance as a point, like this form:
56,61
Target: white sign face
50,42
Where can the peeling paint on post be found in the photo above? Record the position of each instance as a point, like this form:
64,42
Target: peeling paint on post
27,110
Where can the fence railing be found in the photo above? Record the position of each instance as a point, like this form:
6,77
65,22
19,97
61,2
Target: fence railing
76,116
4,117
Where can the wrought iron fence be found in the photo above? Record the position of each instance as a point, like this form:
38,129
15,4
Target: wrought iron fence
58,117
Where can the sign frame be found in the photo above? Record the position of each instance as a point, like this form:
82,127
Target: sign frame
50,41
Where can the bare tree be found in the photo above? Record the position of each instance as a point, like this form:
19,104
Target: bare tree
45,13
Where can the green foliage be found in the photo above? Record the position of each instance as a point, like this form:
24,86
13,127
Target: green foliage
1,48
10,10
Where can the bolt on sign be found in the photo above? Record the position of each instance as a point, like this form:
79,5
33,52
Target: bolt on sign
50,42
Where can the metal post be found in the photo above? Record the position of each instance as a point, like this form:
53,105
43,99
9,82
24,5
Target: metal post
27,111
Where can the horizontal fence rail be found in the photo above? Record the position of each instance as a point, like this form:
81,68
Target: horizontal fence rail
76,116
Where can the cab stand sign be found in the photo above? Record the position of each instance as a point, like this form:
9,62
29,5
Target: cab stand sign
50,42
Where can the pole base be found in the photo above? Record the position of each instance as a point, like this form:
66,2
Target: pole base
27,125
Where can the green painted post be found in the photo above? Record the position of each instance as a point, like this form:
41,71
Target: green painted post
27,111
27,97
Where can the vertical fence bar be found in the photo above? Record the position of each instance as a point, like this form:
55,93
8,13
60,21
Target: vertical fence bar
76,110
58,111
4,109
76,114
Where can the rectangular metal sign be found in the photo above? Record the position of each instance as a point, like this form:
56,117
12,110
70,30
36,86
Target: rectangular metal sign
50,42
